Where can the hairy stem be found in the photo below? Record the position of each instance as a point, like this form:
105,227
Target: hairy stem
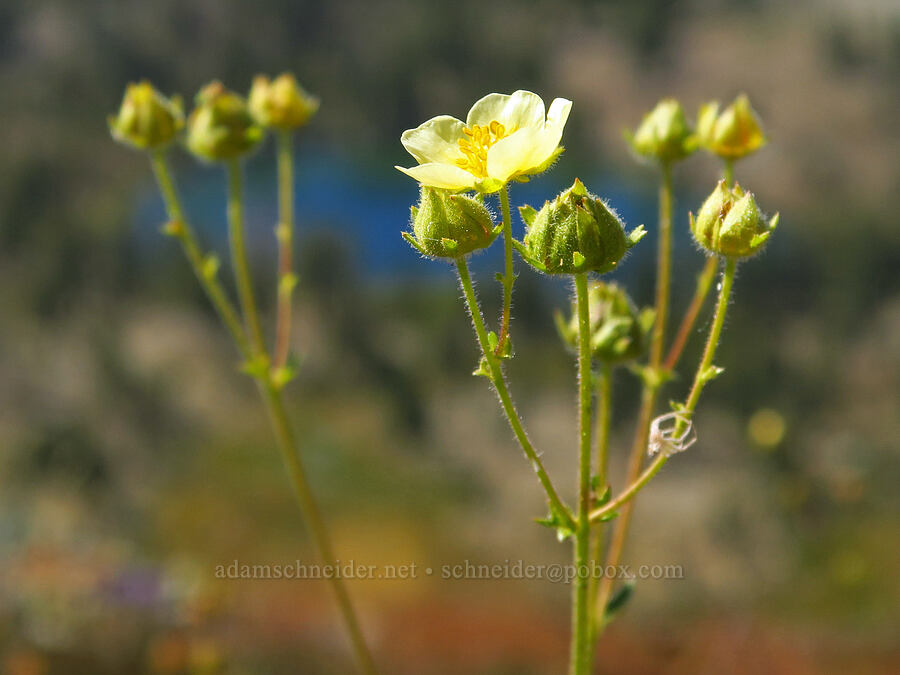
285,235
581,650
497,379
704,283
651,384
701,377
508,278
603,385
239,258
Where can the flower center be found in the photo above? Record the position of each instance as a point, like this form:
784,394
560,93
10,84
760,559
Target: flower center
474,146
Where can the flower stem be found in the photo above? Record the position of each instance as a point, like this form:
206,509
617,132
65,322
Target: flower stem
704,283
603,385
497,379
288,446
239,258
651,385
728,172
185,234
508,278
701,377
270,393
709,353
285,235
581,651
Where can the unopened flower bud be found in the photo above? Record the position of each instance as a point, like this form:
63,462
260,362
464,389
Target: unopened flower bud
618,331
281,103
220,128
664,134
576,232
447,225
732,133
147,120
730,223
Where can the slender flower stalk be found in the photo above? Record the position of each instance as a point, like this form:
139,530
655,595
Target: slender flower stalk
704,283
242,275
285,235
204,267
701,377
651,383
582,646
508,275
495,374
603,386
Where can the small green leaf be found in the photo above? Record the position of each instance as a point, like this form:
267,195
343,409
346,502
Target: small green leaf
483,369
711,373
493,341
557,521
618,601
210,267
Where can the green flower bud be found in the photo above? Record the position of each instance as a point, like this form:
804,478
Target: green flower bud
147,120
664,133
734,133
618,331
576,232
730,223
447,225
281,103
220,128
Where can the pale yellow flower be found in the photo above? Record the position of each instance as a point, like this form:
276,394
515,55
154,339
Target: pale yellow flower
505,137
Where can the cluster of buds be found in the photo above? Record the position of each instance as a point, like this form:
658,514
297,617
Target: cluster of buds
222,126
448,225
576,232
619,332
730,224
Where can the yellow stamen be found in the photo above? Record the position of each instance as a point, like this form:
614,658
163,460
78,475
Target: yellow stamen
474,148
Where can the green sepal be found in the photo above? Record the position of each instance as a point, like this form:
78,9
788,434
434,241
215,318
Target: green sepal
528,214
411,240
635,235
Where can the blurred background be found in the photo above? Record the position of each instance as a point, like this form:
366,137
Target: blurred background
135,459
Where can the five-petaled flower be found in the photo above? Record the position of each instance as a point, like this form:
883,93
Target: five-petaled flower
505,137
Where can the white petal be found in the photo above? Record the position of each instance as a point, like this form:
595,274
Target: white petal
440,175
543,146
512,155
434,140
514,111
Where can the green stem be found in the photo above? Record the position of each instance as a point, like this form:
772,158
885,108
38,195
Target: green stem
182,230
239,258
704,283
728,172
497,379
581,652
285,236
701,377
603,384
709,353
508,278
288,446
651,384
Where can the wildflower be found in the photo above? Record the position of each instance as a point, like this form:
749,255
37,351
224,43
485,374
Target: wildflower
730,224
576,232
220,128
664,133
447,225
504,138
281,103
147,120
732,134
